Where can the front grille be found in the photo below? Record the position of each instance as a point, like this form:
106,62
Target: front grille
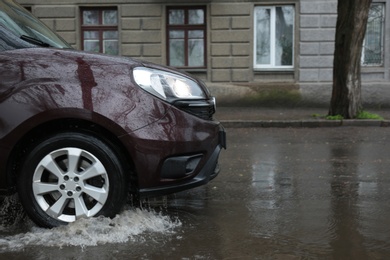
202,112
204,109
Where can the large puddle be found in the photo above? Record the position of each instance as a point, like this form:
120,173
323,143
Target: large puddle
283,194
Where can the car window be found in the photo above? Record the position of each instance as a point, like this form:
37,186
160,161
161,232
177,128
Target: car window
27,27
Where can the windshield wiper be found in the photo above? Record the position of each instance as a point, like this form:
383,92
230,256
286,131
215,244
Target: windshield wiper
34,41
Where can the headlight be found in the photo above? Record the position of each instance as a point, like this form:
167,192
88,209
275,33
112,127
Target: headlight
167,86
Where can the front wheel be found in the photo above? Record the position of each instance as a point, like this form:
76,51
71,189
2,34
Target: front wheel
70,176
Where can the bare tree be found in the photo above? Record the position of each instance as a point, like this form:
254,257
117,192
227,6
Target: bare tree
350,31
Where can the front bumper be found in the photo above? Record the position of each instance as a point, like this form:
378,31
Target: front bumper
209,171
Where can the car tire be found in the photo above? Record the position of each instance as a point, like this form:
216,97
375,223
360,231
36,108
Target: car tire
68,176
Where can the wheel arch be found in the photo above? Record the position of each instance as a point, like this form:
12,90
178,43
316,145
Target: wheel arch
55,126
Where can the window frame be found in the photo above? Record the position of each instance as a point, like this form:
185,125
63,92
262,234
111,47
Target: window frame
272,65
100,27
186,27
382,40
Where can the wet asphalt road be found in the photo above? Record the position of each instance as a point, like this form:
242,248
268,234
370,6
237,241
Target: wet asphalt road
320,193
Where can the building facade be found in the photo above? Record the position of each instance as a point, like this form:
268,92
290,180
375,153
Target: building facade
244,50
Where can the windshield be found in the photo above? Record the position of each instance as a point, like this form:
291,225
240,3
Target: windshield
25,26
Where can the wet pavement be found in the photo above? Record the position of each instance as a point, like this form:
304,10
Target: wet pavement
283,193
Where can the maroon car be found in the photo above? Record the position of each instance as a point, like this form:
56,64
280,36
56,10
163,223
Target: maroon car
80,131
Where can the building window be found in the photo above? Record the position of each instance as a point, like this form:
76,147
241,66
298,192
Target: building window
274,37
373,42
186,36
99,30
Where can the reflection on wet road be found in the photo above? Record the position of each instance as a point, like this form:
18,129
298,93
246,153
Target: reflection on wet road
282,194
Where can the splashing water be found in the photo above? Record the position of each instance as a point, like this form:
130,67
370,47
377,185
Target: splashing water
128,226
11,212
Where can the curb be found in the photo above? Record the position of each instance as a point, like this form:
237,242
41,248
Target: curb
304,123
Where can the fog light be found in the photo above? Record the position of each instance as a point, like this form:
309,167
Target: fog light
180,166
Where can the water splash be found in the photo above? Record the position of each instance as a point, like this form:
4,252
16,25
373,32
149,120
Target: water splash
11,212
130,225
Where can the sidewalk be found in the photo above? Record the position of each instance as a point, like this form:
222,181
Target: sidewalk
291,117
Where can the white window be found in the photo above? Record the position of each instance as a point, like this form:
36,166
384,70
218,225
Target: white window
372,54
274,37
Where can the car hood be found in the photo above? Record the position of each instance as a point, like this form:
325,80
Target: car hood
30,67
60,65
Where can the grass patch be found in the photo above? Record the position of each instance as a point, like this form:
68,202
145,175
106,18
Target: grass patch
336,117
368,115
361,115
317,115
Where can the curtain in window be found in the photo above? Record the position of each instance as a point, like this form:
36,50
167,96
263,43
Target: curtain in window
274,36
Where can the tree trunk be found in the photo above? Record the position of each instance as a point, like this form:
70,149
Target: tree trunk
350,31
